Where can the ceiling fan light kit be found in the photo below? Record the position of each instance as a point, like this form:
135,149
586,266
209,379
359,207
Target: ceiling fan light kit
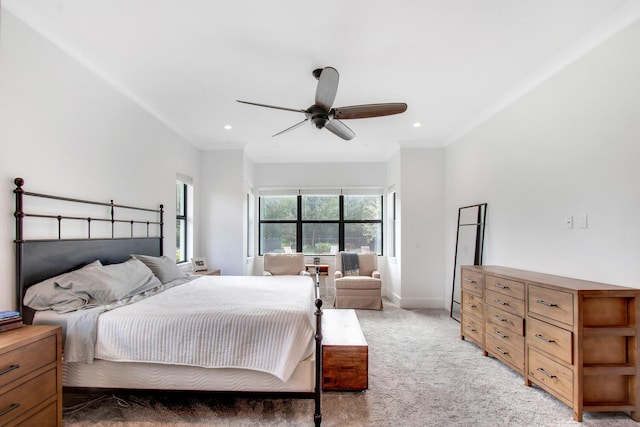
323,116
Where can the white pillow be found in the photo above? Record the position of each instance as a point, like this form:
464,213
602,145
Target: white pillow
109,283
163,267
46,295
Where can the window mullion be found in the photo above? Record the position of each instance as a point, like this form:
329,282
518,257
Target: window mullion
341,224
299,225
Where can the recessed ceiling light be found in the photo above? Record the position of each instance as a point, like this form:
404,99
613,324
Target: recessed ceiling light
417,124
227,127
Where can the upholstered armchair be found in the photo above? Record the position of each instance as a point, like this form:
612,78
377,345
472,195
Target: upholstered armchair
284,264
361,289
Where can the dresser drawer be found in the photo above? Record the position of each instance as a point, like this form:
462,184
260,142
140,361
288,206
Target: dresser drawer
471,281
504,286
503,320
472,327
505,352
16,401
19,362
551,339
551,304
505,302
546,372
472,303
505,336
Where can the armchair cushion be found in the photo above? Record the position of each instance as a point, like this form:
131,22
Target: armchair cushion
367,264
358,282
284,264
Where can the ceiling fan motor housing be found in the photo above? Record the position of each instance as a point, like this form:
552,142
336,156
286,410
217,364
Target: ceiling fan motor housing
318,116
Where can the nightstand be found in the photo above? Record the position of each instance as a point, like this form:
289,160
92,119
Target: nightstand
31,376
215,272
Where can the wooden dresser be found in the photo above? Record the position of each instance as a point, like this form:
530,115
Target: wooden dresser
573,338
31,377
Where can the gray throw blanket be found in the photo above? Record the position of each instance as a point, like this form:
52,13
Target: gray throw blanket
350,266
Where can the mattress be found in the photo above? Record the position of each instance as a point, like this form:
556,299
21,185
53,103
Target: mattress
205,332
128,375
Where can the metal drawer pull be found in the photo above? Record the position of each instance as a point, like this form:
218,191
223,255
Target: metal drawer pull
501,350
548,304
9,409
470,304
545,373
470,328
9,369
501,302
498,285
502,319
543,338
469,280
500,334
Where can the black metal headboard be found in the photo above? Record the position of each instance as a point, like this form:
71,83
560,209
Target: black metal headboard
39,259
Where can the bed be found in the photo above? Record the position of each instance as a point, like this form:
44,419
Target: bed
132,320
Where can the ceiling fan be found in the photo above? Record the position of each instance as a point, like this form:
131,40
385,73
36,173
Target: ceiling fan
321,113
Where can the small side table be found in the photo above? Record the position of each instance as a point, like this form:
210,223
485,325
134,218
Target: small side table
215,272
324,268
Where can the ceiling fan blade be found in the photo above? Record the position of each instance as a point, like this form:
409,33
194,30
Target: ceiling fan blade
369,110
272,106
338,128
327,87
297,125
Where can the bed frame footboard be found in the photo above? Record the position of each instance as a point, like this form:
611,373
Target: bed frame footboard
317,416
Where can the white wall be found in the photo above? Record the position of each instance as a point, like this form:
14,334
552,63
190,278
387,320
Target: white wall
422,228
320,175
393,288
569,147
223,209
65,131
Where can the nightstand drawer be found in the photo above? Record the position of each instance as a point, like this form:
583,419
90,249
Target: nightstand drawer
552,340
15,402
551,304
21,361
46,417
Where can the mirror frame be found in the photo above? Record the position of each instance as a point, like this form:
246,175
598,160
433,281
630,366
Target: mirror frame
480,216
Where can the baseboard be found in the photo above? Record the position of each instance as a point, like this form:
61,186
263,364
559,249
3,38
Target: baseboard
409,303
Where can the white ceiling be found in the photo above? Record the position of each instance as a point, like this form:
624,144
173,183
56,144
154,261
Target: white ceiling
454,62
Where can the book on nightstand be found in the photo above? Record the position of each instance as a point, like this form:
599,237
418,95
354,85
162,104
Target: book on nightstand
10,320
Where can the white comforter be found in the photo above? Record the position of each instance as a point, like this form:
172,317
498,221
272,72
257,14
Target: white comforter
250,322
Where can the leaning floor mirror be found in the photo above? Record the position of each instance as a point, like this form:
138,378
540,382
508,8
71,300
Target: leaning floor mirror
469,245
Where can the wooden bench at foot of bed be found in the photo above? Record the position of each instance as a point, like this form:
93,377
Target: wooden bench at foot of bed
345,354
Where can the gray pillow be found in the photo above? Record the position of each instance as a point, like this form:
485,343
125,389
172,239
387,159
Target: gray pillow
109,283
163,267
46,295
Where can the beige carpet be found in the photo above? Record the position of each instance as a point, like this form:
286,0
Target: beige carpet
420,374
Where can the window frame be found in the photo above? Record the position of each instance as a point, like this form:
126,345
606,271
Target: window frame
299,222
184,218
